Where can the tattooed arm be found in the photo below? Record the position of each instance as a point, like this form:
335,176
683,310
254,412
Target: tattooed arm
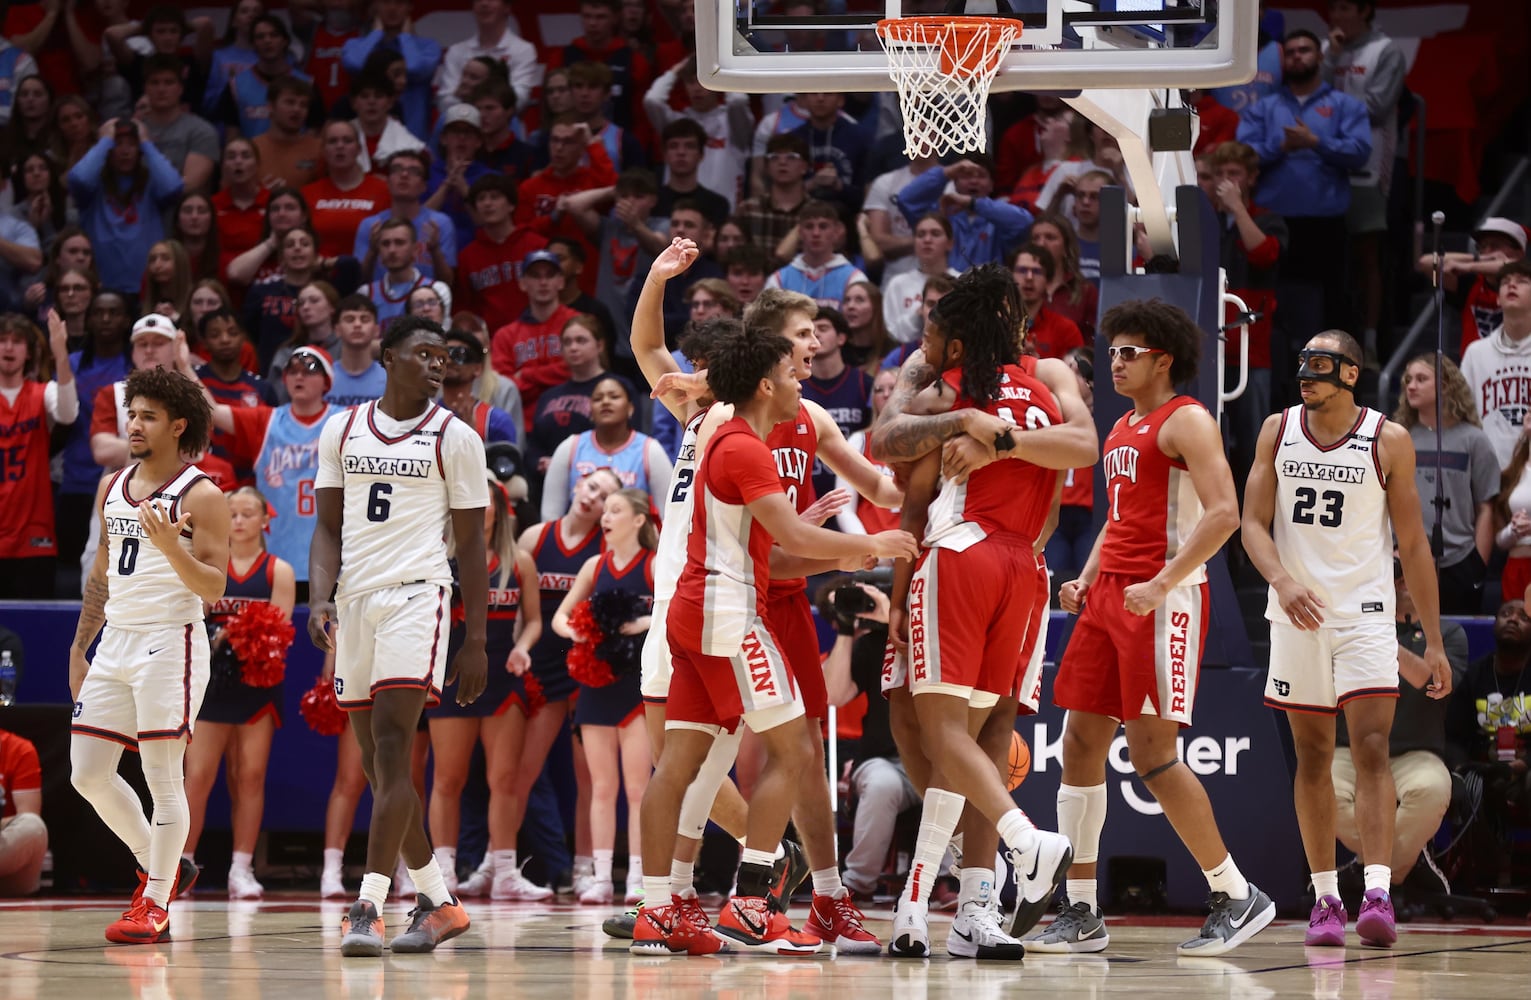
93,607
917,419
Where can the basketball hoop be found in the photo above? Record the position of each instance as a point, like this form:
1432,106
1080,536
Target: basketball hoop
943,67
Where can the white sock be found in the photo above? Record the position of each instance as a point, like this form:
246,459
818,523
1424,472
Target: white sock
939,817
1081,817
1017,830
826,882
1082,890
430,883
977,887
374,889
602,865
1326,884
656,890
1226,877
241,862
446,857
504,864
763,858
682,878
334,859
1378,877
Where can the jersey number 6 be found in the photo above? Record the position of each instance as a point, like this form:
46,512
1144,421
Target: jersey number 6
377,502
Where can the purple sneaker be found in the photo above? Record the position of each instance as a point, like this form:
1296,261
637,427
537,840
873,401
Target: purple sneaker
1375,924
1326,927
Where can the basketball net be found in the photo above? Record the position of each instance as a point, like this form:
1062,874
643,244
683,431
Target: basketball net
943,67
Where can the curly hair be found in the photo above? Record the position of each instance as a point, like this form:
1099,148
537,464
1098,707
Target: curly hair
181,397
1162,326
39,362
697,339
983,310
1456,395
739,359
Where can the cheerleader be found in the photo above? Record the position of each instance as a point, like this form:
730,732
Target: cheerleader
498,718
237,720
616,751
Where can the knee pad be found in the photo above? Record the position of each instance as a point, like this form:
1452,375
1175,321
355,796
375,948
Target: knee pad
703,790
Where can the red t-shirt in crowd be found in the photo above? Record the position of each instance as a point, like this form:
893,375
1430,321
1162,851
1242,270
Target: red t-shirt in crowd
338,214
530,353
1053,335
488,275
239,229
19,770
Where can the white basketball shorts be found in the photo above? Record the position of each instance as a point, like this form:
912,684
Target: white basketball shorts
144,684
395,637
1319,671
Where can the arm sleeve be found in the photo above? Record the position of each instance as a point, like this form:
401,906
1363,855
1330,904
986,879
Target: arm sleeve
28,774
1010,221
353,54
62,402
658,468
1349,145
363,238
555,483
741,121
164,180
449,76
525,73
103,412
330,475
84,178
462,459
421,55
846,520
656,102
1255,131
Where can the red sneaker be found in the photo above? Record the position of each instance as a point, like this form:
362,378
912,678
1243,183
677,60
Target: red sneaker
838,921
692,931
146,922
752,924
185,877
652,929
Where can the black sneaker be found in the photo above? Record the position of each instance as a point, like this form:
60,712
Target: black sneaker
789,872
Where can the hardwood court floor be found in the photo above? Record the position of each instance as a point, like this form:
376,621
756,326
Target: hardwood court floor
287,947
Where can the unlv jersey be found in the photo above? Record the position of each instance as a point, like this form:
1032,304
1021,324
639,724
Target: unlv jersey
143,589
1152,506
1331,524
1009,497
794,447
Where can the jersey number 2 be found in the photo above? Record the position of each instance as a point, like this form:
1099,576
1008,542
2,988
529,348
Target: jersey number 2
682,485
1308,498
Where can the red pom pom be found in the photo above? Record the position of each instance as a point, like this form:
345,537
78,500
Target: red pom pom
260,634
535,697
584,666
321,711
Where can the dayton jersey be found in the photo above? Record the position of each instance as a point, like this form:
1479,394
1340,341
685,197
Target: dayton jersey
794,448
1009,499
401,479
670,556
143,589
557,566
1152,506
253,586
1331,524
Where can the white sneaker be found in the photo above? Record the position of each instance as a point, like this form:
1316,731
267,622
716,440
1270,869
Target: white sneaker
242,884
634,894
513,885
331,885
975,933
911,930
597,893
583,882
480,882
1038,873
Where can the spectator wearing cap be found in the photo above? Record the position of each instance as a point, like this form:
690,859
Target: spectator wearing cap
281,444
153,343
30,406
394,31
489,267
528,349
290,153
454,171
373,96
1471,279
122,187
435,233
1497,367
23,834
570,144
465,364
359,378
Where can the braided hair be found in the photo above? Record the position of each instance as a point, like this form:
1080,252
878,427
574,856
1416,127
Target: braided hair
983,310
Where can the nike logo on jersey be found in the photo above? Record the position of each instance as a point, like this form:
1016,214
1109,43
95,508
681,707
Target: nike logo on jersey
356,437
156,652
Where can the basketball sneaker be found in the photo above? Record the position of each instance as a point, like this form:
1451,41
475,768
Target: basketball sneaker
482,879
1038,873
361,931
1076,930
514,885
651,929
911,929
1326,925
185,877
836,920
1230,924
597,892
752,924
145,922
787,874
691,931
331,885
633,893
242,884
622,925
975,933
430,925
1376,924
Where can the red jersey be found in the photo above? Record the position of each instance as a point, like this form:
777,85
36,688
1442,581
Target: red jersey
530,353
1079,488
728,553
1152,505
239,229
538,196
19,770
330,77
794,445
1008,500
1053,335
338,214
488,275
873,518
1480,313
26,491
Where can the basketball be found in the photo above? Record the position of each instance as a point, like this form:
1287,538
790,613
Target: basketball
1020,762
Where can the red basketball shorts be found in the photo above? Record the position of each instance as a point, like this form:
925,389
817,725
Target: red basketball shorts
969,614
791,620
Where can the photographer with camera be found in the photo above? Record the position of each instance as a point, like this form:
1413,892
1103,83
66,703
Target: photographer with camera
878,781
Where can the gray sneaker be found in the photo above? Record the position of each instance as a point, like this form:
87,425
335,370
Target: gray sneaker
1076,930
621,926
1231,923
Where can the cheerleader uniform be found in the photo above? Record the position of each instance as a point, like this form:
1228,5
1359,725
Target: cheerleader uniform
502,688
621,701
232,701
558,563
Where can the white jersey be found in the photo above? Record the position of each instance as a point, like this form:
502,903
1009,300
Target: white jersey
1331,524
401,479
143,589
670,556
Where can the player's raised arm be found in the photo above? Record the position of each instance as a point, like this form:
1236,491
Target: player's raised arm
1414,551
648,341
1302,606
